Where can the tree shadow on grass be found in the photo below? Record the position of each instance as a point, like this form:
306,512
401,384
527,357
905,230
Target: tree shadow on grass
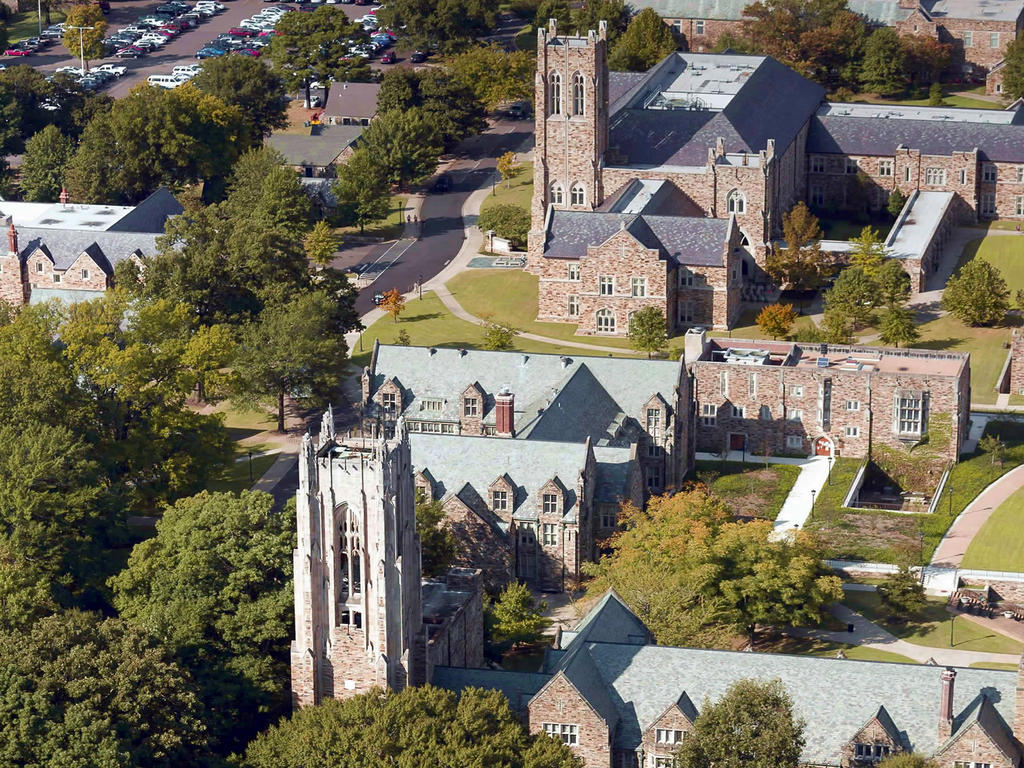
938,343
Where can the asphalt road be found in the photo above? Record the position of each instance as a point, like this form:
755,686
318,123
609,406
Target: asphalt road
443,227
181,50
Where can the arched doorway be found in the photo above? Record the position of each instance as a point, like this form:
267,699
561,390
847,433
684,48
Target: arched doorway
823,446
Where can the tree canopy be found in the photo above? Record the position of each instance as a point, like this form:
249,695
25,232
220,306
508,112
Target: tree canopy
449,24
88,40
250,85
801,264
977,294
437,544
646,41
42,170
414,727
495,75
647,330
884,65
1013,72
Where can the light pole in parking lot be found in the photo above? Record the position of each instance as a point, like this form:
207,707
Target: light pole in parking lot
39,16
81,43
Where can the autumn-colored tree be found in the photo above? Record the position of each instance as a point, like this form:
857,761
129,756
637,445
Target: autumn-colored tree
776,320
393,303
320,244
508,167
868,252
800,264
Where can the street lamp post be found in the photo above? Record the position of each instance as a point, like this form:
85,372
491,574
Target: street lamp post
81,43
250,467
419,286
39,15
813,492
830,460
949,493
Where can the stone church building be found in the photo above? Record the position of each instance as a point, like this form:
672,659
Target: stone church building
667,188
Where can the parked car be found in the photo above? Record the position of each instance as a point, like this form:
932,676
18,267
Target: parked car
187,69
15,50
242,32
418,57
209,53
387,58
254,52
116,70
131,52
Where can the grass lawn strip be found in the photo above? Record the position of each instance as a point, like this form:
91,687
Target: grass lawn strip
999,545
993,665
390,228
931,628
22,26
750,490
517,191
805,646
236,478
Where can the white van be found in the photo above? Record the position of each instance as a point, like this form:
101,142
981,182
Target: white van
165,81
187,70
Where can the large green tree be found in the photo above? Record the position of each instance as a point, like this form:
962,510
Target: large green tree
697,577
898,326
587,16
495,75
42,170
416,726
883,70
515,618
1013,72
751,726
214,585
646,41
799,265
437,544
448,103
449,24
977,294
647,330
87,39
853,295
80,690
406,144
250,85
362,190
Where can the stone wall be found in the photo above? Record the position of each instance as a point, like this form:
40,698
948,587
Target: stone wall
871,734
1017,364
479,544
979,53
84,274
704,39
673,720
974,745
559,702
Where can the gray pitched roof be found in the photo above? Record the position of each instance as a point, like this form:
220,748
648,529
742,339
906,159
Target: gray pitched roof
886,12
836,134
620,82
885,720
356,100
879,11
696,241
613,466
535,380
773,103
985,715
320,147
518,687
65,246
986,10
609,621
455,461
150,215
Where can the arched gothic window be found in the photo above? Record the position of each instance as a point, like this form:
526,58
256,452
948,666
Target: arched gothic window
737,202
577,94
578,195
556,194
605,321
556,93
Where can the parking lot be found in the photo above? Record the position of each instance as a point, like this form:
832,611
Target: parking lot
180,50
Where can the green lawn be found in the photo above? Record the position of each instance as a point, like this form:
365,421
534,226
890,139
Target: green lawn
750,490
993,665
801,646
1005,252
429,323
24,25
931,627
517,191
843,229
949,100
236,478
387,229
509,296
999,545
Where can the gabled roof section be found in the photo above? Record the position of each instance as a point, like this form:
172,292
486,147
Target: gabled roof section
151,214
983,714
580,670
609,621
581,409
883,718
105,248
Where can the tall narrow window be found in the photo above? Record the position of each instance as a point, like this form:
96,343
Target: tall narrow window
577,94
573,306
556,93
605,321
556,194
737,203
579,195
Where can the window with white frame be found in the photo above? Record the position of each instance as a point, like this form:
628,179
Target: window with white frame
794,414
1020,174
698,27
606,285
708,414
817,164
577,94
662,761
579,195
989,172
909,414
987,204
431,404
609,518
853,405
853,431
765,413
885,167
993,39
686,311
56,277
723,382
85,274
906,173
556,93
871,751
605,321
549,503
499,500
654,422
752,386
737,411
667,736
549,534
796,390
573,306
39,266
574,272
794,441
935,176
470,407
557,195
564,732
963,175
968,39
817,195
1018,205
736,202
685,278
851,166
389,401
678,25
638,287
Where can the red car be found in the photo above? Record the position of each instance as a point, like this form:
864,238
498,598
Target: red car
387,58
242,32
15,51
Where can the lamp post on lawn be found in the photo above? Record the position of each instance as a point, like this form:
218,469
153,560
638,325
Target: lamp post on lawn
81,43
949,493
39,15
250,467
813,492
830,460
419,286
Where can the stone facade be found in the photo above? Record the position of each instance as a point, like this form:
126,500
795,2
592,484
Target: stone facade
703,34
560,705
1017,364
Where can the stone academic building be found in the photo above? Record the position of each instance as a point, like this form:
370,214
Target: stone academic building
667,188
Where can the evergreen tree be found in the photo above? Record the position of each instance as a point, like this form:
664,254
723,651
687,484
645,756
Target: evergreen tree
515,618
892,282
46,155
902,593
896,202
852,295
977,294
1013,72
883,66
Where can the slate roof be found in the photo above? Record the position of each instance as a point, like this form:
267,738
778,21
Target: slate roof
319,148
836,134
723,10
150,215
536,381
886,12
613,465
690,240
983,713
65,246
356,100
609,621
518,687
774,102
982,10
620,82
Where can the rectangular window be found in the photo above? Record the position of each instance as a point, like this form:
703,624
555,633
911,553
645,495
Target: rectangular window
470,407
765,413
1020,174
85,274
752,386
993,40
885,167
737,411
794,441
1018,205
853,431
667,736
817,164
963,176
661,761
851,166
654,422
723,383
56,277
989,172
853,405
573,306
968,39
686,311
608,518
574,272
817,196
549,504
678,24
39,266
607,285
796,390
685,278
389,401
906,173
638,287
499,500
654,477
708,414
549,534
987,204
794,414
699,27
909,415
935,176
432,404
567,734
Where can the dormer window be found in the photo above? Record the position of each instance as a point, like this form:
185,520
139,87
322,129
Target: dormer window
549,504
499,501
432,404
668,736
471,407
872,752
389,401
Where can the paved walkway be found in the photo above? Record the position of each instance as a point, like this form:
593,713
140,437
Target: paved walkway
954,544
870,635
797,507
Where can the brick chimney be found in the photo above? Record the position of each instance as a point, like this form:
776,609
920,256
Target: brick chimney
1018,709
12,240
946,705
504,414
63,196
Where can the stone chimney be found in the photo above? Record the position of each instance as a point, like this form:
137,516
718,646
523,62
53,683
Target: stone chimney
12,240
946,705
1018,709
694,343
504,414
63,196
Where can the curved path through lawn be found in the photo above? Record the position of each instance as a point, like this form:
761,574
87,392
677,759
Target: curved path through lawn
951,550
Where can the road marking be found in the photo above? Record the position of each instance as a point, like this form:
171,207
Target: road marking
394,253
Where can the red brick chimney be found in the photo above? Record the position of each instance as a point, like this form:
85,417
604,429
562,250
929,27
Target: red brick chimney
504,414
946,705
63,196
12,239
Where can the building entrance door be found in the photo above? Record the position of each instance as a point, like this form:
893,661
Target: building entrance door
526,552
822,447
737,442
